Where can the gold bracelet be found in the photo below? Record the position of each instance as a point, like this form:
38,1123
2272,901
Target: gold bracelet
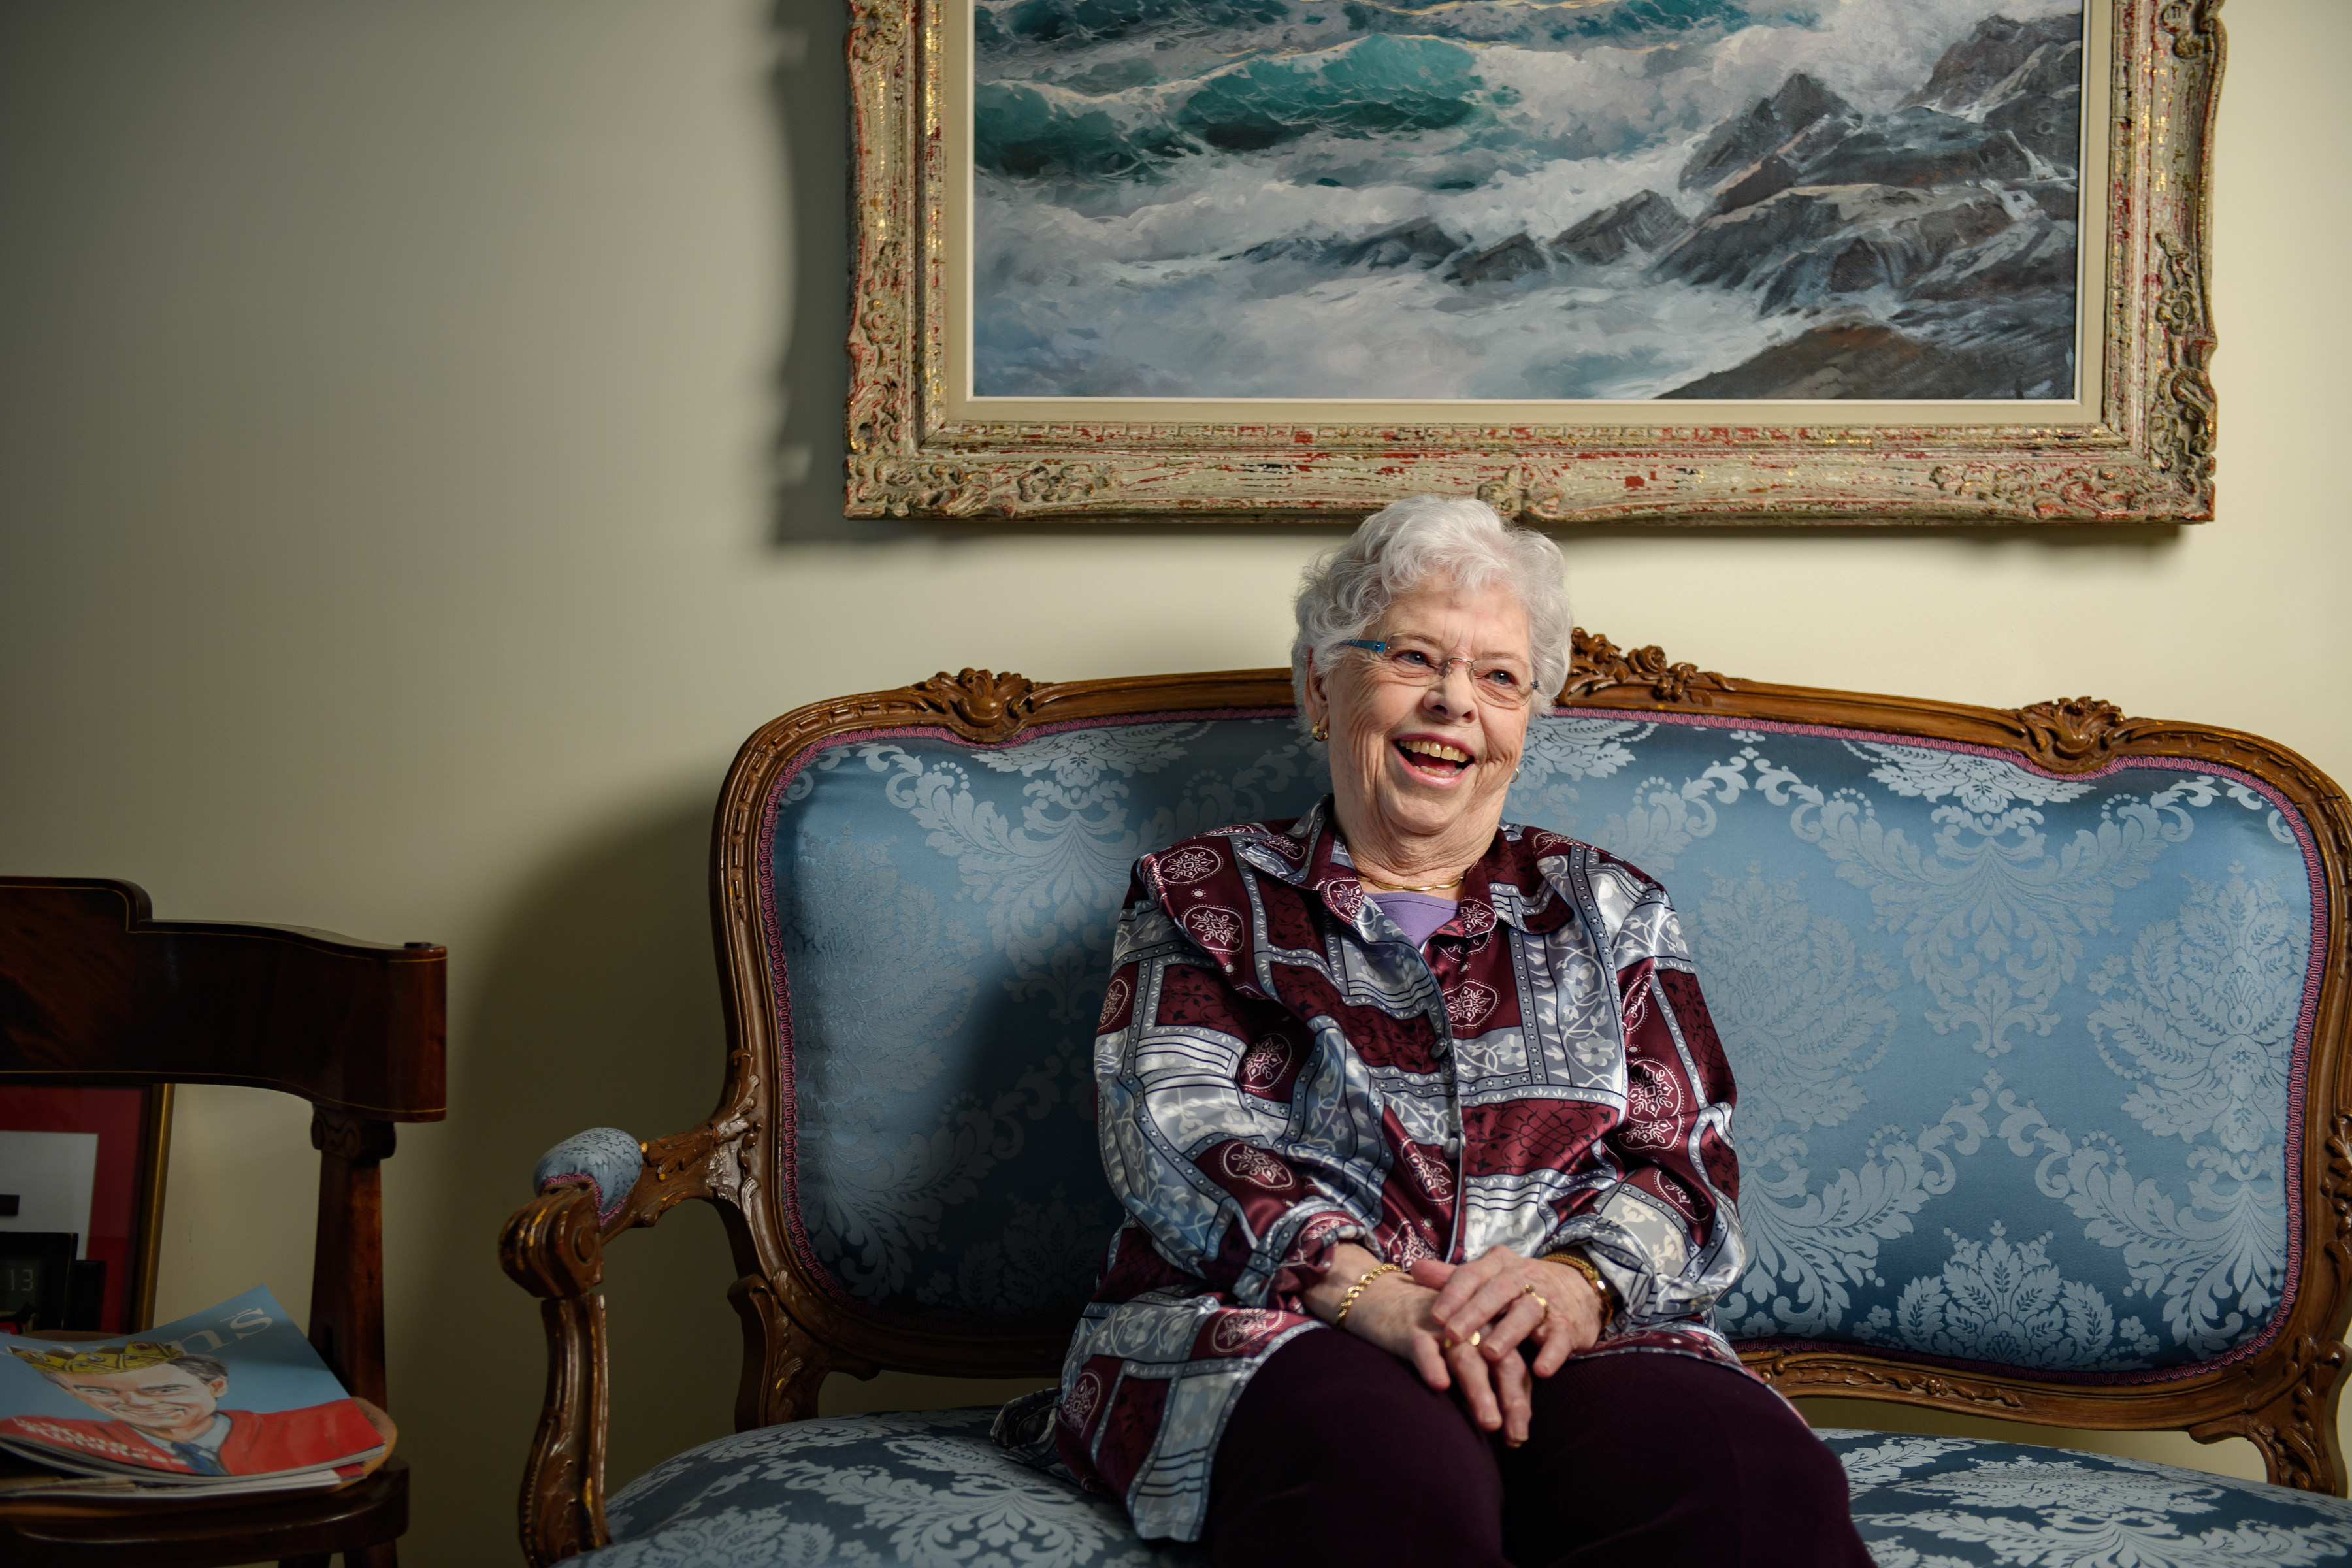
1357,1289
1593,1276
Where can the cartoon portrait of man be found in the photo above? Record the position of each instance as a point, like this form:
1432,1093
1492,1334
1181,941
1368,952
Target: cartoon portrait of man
162,1409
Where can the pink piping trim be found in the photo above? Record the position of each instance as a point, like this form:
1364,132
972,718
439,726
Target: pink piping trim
603,1210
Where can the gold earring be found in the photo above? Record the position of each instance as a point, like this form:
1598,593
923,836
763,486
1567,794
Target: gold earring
1321,731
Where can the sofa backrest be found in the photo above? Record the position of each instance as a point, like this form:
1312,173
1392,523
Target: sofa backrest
2027,1012
942,914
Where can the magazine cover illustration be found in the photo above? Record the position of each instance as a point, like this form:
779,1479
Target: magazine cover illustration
236,1391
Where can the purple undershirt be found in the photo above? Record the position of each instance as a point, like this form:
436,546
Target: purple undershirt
1416,914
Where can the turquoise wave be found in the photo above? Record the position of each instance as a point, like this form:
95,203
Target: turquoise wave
1376,85
1028,132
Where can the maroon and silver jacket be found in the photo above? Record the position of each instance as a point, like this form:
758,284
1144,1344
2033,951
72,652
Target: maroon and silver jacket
1278,1069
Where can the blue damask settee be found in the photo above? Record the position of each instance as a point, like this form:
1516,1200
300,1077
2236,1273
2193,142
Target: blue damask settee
2039,1019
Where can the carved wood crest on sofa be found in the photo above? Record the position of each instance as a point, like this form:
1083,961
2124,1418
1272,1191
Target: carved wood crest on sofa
2039,1018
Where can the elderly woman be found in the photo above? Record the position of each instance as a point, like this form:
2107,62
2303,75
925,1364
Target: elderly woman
1422,1133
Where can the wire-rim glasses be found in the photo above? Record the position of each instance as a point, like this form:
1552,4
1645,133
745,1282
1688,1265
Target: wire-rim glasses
1411,661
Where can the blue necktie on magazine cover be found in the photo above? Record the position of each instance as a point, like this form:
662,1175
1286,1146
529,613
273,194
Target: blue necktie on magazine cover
201,1460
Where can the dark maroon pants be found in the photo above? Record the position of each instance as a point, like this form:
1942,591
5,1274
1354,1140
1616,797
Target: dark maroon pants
1338,1453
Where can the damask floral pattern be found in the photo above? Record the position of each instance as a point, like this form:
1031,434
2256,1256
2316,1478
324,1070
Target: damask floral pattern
1998,913
1992,921
2203,1027
885,1025
1560,756
1010,1275
2006,1303
928,1489
1808,1004
1970,1503
1001,868
1953,991
1984,786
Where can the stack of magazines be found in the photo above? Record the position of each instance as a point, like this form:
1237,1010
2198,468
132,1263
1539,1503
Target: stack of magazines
230,1400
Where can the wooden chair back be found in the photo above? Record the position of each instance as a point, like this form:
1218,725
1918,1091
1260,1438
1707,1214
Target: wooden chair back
95,991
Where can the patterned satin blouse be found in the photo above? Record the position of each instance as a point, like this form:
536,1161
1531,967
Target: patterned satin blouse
1279,1069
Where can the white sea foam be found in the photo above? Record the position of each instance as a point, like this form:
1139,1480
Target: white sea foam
1205,327
1137,288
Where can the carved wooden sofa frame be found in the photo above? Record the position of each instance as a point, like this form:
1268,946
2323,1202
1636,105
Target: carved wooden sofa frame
2283,1399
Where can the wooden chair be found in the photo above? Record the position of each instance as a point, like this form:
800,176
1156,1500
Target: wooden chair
93,991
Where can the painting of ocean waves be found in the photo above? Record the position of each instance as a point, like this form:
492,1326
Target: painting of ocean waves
1524,199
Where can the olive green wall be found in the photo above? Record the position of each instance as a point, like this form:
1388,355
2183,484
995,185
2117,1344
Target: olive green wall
417,431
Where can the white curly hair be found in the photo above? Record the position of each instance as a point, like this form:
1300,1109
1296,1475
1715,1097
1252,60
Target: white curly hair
1408,544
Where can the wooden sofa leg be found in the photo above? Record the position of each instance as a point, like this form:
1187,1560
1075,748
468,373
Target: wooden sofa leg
2294,1425
2296,1432
784,1365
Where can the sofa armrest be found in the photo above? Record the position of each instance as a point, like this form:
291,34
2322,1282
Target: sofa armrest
553,1246
605,1158
591,1187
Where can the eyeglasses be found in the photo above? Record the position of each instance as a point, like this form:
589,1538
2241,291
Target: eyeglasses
1503,682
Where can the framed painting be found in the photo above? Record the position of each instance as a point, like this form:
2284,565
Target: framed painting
1593,261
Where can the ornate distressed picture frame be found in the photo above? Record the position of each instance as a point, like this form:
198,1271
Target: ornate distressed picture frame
2133,443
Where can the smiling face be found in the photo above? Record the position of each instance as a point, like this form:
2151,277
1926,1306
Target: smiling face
1419,772
168,1401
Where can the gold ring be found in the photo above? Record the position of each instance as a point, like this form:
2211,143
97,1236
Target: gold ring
1473,1341
1541,1302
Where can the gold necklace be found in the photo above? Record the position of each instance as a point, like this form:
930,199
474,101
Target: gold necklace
1407,887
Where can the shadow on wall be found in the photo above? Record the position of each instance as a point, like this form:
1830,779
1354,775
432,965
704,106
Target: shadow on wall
596,1006
809,88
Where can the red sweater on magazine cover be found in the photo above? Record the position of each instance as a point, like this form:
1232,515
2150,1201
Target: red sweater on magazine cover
162,1412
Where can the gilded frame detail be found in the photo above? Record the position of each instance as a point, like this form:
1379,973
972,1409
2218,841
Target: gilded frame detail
2141,448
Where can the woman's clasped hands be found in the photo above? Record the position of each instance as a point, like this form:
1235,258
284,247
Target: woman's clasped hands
1471,1322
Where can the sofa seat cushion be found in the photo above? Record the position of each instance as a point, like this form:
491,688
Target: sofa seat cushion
927,1487
1943,1502
930,1489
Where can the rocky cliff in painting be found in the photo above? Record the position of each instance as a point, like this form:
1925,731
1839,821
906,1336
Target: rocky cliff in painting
1949,225
1849,231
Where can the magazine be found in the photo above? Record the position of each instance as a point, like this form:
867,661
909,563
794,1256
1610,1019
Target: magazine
231,1400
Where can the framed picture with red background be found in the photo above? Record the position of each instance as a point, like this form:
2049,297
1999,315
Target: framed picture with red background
81,1205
